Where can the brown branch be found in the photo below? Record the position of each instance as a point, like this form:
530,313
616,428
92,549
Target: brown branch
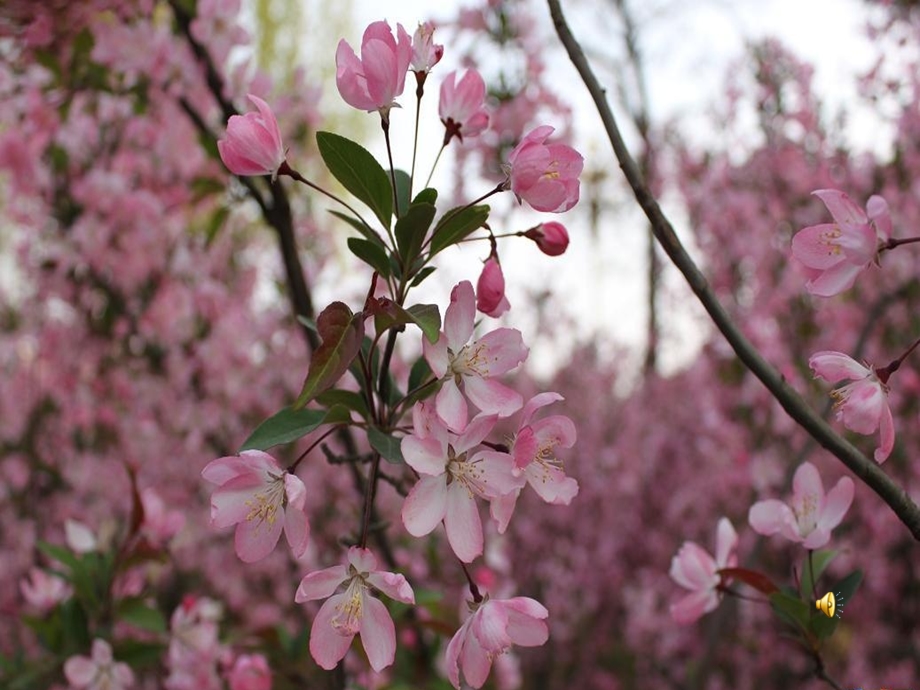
797,408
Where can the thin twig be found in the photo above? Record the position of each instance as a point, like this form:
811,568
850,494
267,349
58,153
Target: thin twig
797,408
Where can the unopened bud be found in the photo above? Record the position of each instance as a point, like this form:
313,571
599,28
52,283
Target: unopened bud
552,238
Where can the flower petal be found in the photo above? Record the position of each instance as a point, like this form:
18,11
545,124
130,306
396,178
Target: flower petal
460,316
726,541
378,634
327,645
256,538
296,530
393,585
320,584
425,505
464,528
692,607
770,517
836,504
886,442
836,366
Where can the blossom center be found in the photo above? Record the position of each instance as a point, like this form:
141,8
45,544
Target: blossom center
466,472
806,513
347,618
264,505
471,359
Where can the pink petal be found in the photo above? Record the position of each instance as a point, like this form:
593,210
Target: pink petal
845,212
886,426
256,538
124,676
556,430
726,541
363,560
693,567
296,530
295,491
378,634
451,406
496,476
379,63
502,508
834,280
222,470
464,528
475,662
551,484
270,123
836,504
460,315
877,210
525,622
232,502
80,671
436,355
815,246
490,626
817,538
526,446
504,349
393,585
770,517
320,584
425,505
492,397
535,403
692,607
835,366
452,656
327,646
480,427
349,78
864,406
425,455
807,482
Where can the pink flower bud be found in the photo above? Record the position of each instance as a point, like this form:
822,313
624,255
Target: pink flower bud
250,672
552,238
252,145
490,290
374,80
461,106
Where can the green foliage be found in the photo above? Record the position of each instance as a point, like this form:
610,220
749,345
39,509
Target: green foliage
291,424
359,172
372,254
820,559
388,446
342,333
411,230
456,224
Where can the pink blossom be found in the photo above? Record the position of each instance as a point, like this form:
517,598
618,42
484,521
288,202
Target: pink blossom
835,253
160,524
472,365
694,569
810,516
374,81
533,453
79,537
451,476
545,175
194,647
425,52
861,405
552,238
252,145
493,627
250,672
461,107
261,498
100,671
490,290
44,590
353,612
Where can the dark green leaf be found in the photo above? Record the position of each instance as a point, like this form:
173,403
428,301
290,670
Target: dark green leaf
424,273
411,230
137,613
428,319
138,654
790,609
59,554
388,446
456,224
348,399
359,172
846,588
419,373
371,254
367,232
429,195
342,333
402,189
284,427
820,559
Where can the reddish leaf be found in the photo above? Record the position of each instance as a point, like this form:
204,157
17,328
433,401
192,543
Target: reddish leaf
341,333
758,581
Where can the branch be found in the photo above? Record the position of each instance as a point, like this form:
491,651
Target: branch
797,408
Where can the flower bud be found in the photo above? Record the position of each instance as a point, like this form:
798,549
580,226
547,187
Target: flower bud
490,290
552,238
252,145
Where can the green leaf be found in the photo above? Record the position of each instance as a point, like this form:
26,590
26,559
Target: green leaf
359,172
368,234
371,254
820,559
429,195
351,400
402,189
428,319
421,275
790,609
283,427
411,230
385,444
59,554
846,588
139,655
137,613
456,224
341,333
419,373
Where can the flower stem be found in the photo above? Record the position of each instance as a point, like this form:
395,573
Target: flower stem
474,590
460,209
435,164
419,92
885,372
892,243
385,125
